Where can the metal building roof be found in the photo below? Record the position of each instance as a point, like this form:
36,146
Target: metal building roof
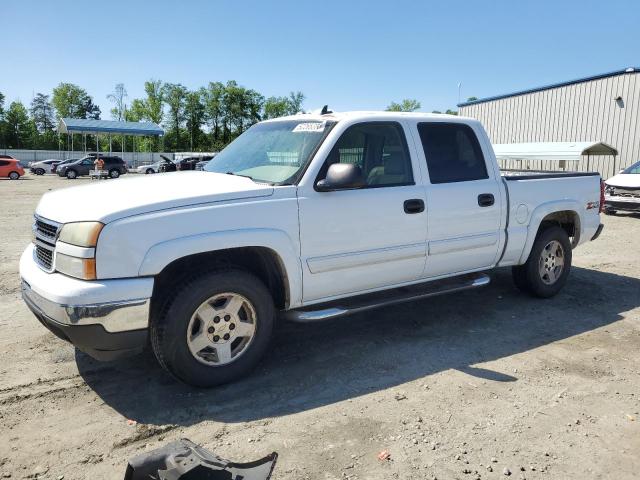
571,151
82,125
553,85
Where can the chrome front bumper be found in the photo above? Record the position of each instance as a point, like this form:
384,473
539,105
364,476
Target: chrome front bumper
120,316
118,305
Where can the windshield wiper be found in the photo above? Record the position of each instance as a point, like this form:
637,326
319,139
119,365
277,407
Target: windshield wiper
238,175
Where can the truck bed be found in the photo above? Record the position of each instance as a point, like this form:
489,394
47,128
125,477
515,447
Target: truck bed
541,174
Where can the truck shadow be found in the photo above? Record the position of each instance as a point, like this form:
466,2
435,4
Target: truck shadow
315,365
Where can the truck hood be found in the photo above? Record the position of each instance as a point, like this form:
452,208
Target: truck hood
625,180
109,200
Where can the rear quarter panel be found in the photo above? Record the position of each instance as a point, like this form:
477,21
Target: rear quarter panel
531,200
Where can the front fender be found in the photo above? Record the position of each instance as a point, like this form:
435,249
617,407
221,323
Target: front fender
162,254
539,214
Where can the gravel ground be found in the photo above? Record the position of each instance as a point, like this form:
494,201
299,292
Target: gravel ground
483,384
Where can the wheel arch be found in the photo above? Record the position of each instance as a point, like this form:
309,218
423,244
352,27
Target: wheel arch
263,262
563,214
270,254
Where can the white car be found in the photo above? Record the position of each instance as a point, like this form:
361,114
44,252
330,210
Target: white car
44,166
309,215
622,191
148,169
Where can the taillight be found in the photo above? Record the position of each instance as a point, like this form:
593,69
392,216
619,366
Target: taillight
601,195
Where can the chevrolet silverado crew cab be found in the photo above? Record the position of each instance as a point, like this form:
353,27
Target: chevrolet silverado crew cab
305,217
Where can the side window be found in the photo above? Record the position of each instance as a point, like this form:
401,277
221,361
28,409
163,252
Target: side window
452,151
3,163
379,149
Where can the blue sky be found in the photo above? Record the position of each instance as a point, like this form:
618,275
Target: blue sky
348,54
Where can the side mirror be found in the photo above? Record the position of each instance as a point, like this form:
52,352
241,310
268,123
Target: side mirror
341,176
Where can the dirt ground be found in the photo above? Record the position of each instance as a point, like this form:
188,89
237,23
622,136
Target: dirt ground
482,384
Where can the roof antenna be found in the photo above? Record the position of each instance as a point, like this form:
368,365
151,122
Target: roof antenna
325,110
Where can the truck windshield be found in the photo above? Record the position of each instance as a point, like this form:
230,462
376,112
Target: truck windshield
272,152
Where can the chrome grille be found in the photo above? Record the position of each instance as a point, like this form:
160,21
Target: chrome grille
46,230
45,233
44,256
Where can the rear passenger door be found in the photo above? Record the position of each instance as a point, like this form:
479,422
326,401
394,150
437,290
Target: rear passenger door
463,200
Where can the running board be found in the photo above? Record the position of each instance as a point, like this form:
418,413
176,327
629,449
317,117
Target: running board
362,303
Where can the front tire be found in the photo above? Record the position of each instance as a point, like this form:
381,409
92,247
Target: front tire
215,329
547,268
72,174
149,171
39,171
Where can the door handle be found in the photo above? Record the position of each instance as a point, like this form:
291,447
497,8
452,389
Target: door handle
415,205
486,199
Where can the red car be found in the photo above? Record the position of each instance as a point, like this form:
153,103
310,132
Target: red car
10,167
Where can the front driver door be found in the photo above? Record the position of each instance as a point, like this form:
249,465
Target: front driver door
368,238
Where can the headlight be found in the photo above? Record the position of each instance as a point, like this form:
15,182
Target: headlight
75,249
81,234
83,268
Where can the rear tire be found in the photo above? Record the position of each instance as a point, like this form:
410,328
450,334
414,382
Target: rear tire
181,324
14,175
72,174
149,171
114,173
609,211
547,268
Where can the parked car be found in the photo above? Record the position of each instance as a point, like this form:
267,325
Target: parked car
112,164
622,191
148,169
200,165
190,163
54,167
200,263
10,167
43,166
166,165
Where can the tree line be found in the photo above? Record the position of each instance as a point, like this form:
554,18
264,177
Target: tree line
205,119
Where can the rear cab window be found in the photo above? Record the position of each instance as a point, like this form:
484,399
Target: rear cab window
452,152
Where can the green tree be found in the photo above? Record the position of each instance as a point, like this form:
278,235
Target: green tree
43,119
18,127
42,113
406,105
72,101
472,99
275,107
154,101
118,97
281,106
213,101
2,122
296,99
137,111
175,96
451,112
195,117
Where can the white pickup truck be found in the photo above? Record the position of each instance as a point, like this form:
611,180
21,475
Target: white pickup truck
306,217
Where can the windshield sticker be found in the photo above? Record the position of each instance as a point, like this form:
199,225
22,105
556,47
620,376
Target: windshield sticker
310,127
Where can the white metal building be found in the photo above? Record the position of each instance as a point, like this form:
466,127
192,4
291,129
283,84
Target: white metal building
601,108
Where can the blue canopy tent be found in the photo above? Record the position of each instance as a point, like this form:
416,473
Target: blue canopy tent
86,126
